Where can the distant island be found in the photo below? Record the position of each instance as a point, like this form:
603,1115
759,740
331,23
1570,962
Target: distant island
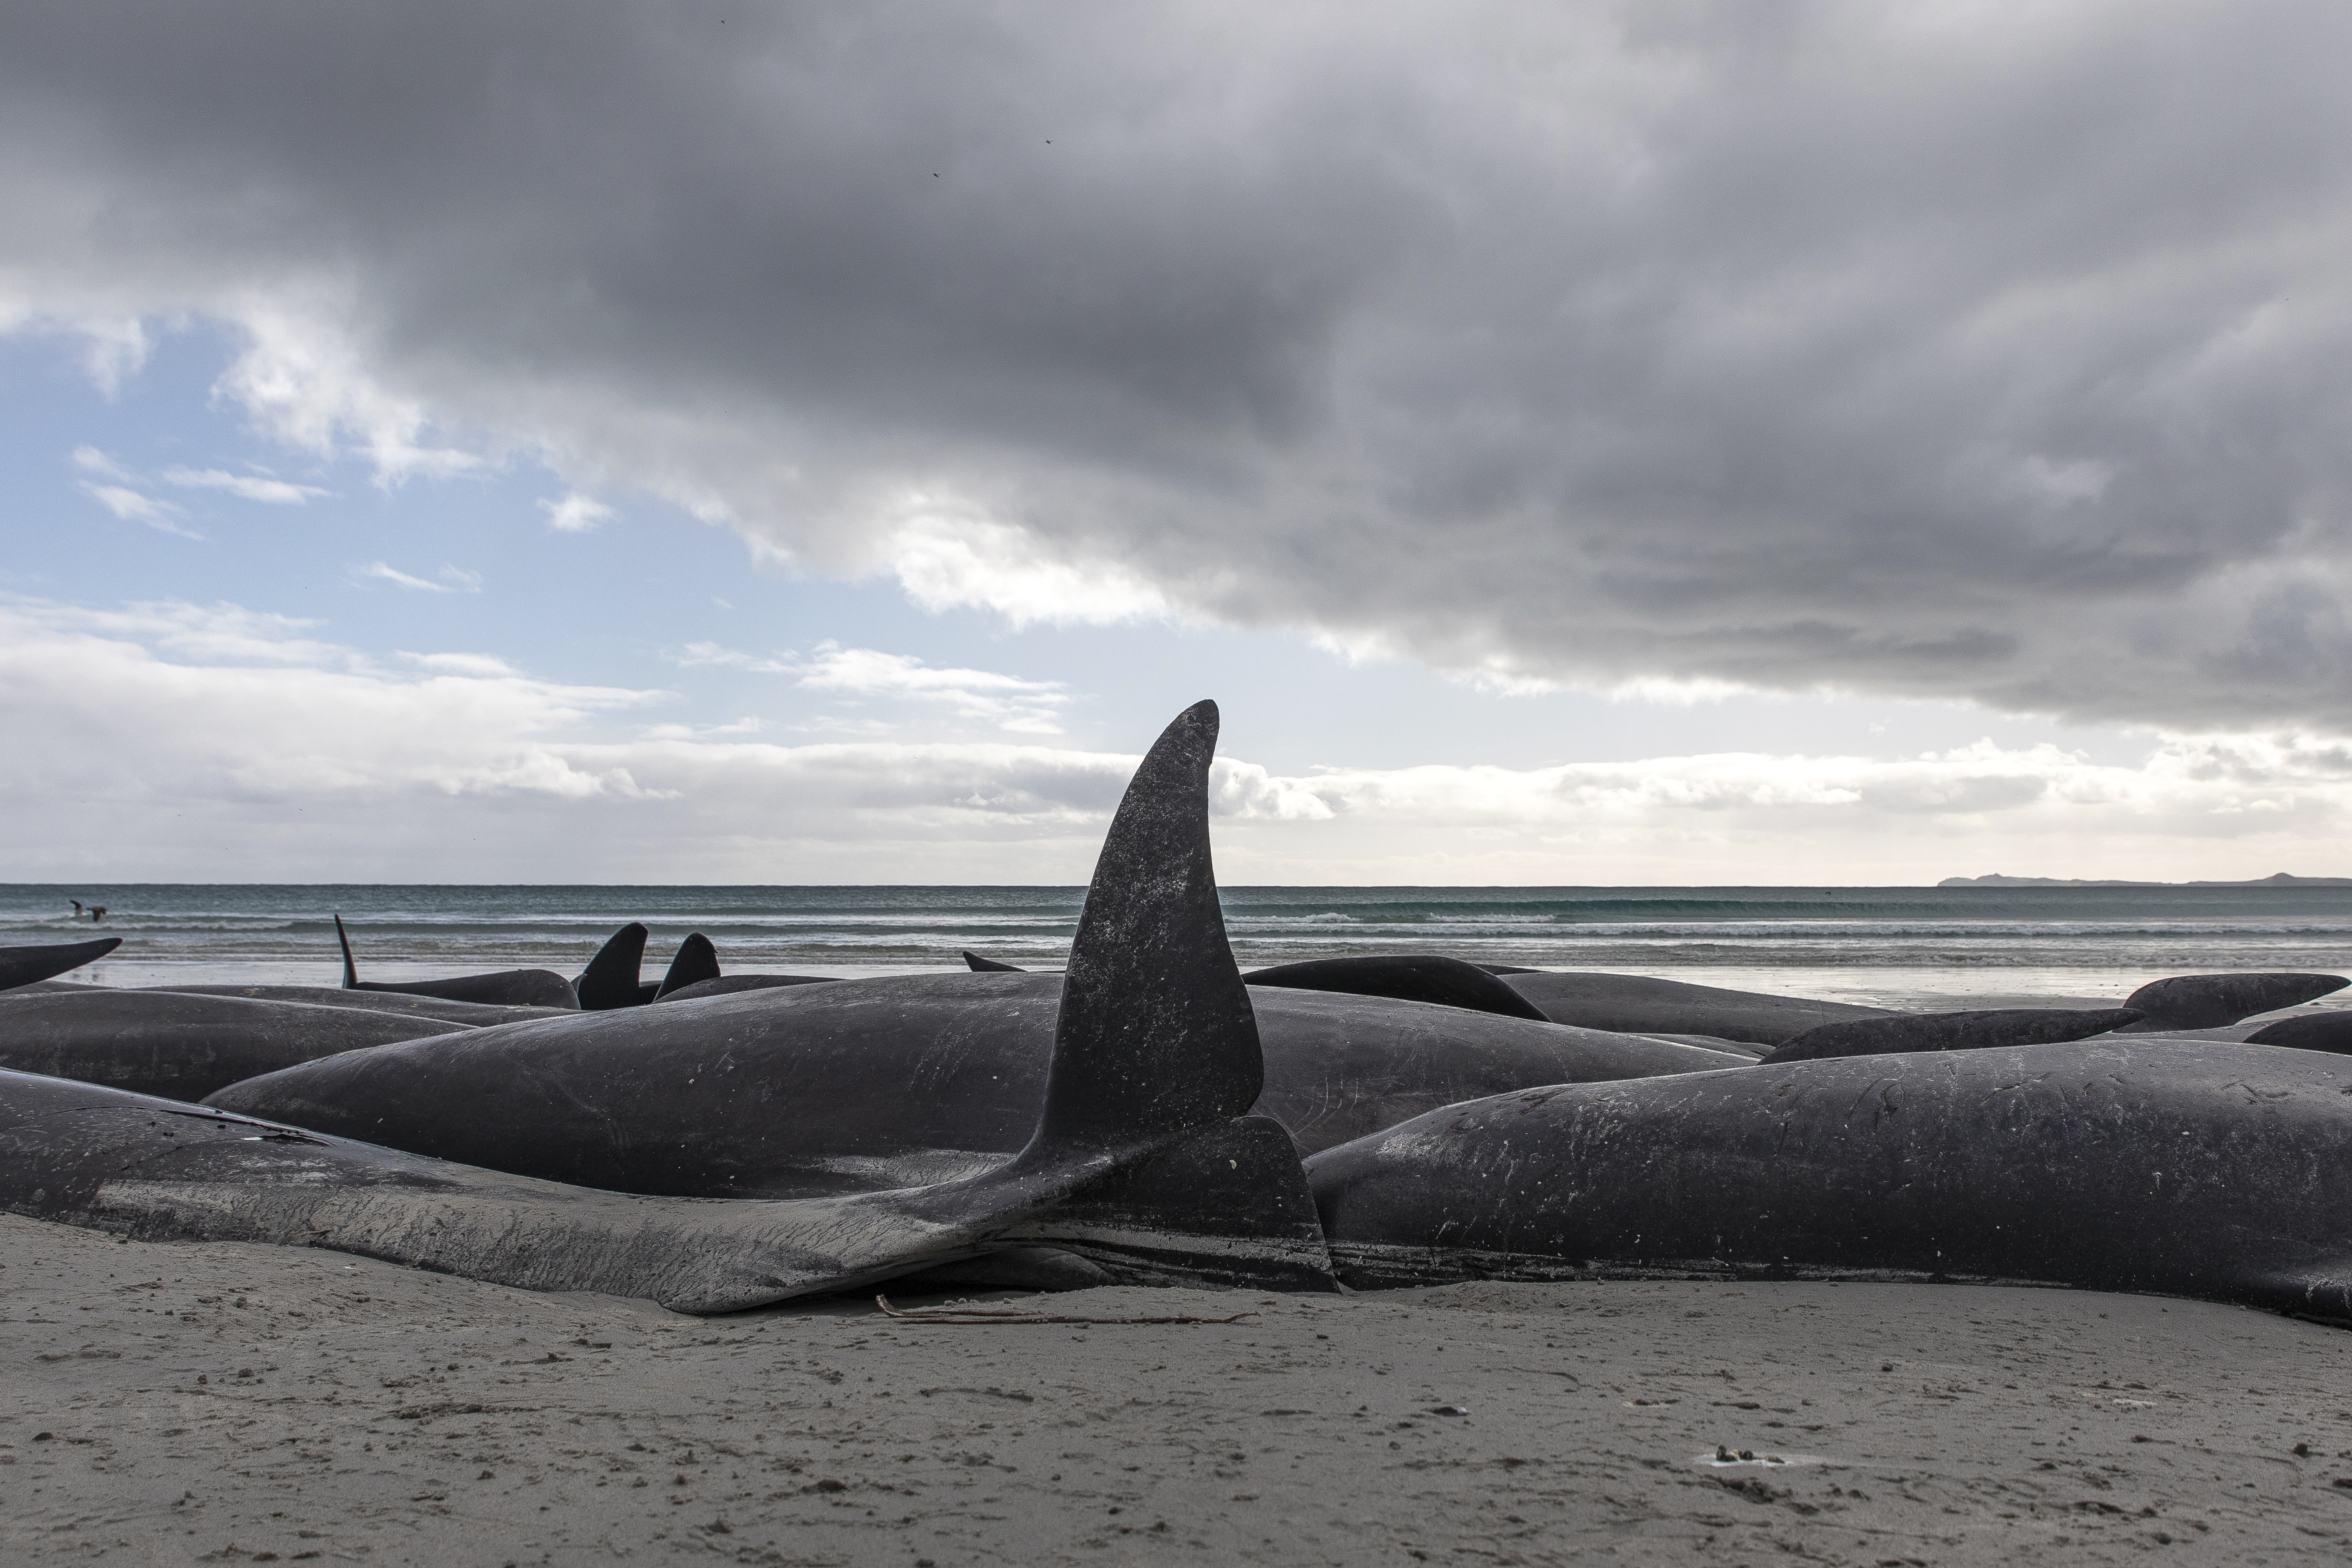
2279,880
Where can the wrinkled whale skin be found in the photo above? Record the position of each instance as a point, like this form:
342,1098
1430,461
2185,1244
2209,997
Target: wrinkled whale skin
2213,1169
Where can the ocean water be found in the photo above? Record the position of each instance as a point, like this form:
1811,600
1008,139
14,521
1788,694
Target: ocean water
1896,946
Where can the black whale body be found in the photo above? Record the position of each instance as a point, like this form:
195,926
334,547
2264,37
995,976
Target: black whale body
1972,1031
1407,977
2206,1169
1639,1005
476,1014
184,1046
2212,1001
871,1083
30,965
506,988
2328,1031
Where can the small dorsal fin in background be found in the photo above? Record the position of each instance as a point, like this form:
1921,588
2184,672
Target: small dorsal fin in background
696,961
980,965
610,980
1155,1034
351,970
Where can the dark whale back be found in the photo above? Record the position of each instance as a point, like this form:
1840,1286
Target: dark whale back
507,988
864,1083
184,1046
1407,977
28,965
2210,1001
2112,1164
1950,1032
2328,1031
1638,1004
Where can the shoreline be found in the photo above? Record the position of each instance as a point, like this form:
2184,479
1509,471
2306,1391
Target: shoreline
230,1402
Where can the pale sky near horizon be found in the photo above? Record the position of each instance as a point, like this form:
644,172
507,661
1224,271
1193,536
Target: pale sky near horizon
1575,445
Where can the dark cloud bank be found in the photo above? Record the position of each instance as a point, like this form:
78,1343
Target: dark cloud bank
1959,349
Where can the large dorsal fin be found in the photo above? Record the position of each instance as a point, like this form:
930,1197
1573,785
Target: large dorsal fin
1156,1036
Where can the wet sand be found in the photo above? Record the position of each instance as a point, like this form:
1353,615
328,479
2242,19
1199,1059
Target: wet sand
230,1403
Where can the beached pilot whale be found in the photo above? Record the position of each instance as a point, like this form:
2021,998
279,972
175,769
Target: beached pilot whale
2212,1170
860,1084
507,988
181,1046
30,965
1637,1004
1142,1161
1951,1032
2212,1001
1405,977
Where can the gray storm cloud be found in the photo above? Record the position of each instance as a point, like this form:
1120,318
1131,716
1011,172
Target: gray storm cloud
1995,351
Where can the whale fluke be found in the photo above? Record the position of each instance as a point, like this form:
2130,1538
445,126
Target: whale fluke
28,965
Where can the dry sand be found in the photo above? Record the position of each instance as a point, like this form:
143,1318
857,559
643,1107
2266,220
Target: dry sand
175,1403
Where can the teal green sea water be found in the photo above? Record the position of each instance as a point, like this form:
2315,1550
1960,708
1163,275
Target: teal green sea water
1900,944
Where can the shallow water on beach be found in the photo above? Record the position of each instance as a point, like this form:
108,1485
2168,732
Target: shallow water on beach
1896,946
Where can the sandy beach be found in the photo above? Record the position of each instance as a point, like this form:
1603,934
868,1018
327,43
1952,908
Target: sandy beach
230,1403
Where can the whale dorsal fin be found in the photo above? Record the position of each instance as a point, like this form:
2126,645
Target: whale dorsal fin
696,961
611,978
351,970
1156,1036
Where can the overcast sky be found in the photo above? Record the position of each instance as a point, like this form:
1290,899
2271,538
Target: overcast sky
1575,443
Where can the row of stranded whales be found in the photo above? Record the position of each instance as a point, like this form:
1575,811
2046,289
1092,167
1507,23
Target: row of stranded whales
1143,1116
872,1083
1143,1158
509,987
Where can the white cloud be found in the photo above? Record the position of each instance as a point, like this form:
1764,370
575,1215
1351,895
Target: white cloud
575,513
181,741
452,580
1007,702
90,461
249,487
132,507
